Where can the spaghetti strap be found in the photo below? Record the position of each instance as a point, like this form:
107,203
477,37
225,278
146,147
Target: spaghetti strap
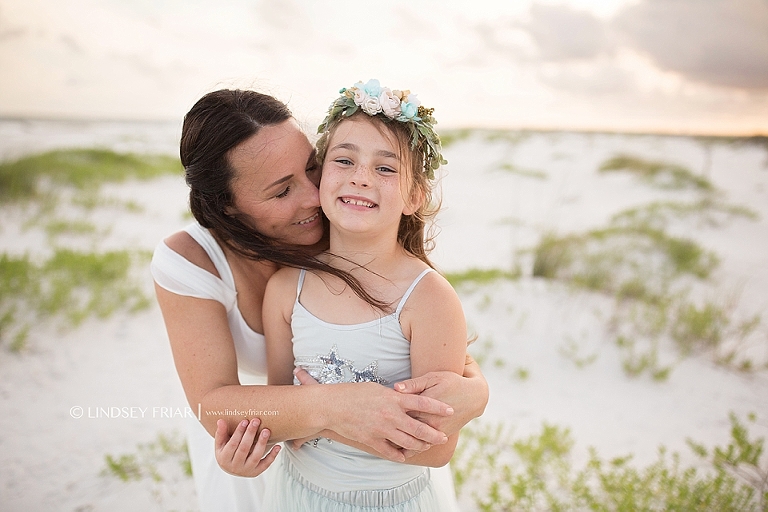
410,289
300,285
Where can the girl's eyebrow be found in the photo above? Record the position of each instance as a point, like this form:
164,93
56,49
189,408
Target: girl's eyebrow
353,147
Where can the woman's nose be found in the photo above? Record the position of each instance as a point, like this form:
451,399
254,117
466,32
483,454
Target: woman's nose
311,196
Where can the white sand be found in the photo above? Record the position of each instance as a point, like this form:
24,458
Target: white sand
50,460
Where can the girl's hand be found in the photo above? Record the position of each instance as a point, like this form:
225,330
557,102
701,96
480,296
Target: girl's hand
239,455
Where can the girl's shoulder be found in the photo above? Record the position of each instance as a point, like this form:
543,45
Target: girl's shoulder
284,280
433,295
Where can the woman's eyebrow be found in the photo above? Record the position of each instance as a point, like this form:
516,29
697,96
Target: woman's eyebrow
312,157
278,182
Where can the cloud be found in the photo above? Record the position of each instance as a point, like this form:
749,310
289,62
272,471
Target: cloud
562,33
550,33
718,42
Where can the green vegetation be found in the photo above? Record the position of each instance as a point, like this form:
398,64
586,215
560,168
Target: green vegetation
480,276
164,464
72,285
521,373
62,227
79,168
571,351
69,285
620,259
536,473
451,137
660,174
709,211
525,173
146,462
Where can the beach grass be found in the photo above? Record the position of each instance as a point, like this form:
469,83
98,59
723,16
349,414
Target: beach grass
501,472
79,168
658,173
480,276
70,285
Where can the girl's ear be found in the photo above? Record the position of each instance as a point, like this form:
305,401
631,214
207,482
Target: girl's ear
414,202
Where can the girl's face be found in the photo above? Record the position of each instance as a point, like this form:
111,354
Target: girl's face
364,185
275,184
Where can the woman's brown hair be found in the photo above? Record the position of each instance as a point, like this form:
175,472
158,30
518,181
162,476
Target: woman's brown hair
217,123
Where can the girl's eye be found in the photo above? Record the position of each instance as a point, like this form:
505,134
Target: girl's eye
284,192
387,170
343,161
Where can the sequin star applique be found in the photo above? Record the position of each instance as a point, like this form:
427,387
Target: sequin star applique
333,369
368,374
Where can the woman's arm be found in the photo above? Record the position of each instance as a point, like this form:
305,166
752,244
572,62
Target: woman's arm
467,395
204,355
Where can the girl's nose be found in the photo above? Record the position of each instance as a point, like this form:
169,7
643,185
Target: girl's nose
361,176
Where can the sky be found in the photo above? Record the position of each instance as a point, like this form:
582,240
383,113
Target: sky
671,66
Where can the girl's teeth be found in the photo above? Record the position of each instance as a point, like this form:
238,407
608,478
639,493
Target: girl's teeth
357,202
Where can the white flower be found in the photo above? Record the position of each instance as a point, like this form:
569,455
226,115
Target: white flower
371,106
360,96
413,100
390,104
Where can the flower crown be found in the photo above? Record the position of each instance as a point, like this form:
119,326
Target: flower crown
391,105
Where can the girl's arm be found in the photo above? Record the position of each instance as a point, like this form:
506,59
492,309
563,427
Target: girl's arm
204,355
433,320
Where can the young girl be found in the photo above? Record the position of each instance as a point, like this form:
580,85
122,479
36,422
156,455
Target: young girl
402,319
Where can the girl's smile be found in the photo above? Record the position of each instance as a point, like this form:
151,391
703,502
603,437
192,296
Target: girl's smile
364,181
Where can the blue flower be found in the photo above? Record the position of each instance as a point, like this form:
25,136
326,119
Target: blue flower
407,111
371,88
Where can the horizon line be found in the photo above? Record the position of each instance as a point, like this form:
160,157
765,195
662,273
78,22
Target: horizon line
756,134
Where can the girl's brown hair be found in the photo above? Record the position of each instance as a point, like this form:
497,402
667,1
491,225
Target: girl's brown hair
415,232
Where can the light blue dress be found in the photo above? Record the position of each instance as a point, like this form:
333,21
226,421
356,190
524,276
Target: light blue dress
326,476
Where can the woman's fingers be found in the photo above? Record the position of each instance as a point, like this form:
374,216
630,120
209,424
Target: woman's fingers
425,404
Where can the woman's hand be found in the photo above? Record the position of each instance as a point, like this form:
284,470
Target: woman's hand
375,416
243,453
467,394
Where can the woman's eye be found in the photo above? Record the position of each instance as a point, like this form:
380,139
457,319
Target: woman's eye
284,192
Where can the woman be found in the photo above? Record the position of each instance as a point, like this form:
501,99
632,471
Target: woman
253,192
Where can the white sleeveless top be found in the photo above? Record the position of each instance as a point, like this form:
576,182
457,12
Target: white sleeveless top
178,275
374,351
215,489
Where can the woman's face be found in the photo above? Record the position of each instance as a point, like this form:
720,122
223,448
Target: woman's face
275,184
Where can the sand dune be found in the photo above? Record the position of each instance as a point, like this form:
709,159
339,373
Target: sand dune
547,352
